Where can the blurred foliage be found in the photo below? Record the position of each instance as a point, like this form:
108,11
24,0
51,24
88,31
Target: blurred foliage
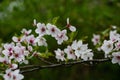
89,16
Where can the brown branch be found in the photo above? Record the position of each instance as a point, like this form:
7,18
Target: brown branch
37,67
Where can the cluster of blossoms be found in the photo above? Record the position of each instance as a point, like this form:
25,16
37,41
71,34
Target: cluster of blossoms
110,46
77,50
22,48
27,46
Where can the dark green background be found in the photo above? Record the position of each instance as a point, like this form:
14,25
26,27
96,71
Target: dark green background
89,16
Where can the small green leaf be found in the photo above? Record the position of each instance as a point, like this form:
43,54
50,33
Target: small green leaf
54,21
46,55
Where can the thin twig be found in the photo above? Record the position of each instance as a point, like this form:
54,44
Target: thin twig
44,60
37,67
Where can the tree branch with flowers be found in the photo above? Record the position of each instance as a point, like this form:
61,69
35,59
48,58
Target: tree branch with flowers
15,56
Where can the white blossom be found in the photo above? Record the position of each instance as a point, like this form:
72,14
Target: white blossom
114,36
59,55
79,48
5,60
70,53
26,32
19,53
117,45
41,41
96,39
52,30
17,39
71,28
41,29
107,47
87,55
116,57
13,75
30,39
13,66
61,36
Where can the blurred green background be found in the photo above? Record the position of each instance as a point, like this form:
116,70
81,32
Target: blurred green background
89,16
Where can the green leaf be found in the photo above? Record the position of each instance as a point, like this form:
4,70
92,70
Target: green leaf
46,55
54,21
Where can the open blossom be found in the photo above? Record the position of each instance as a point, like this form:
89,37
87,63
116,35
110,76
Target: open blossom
26,32
61,36
13,75
70,53
13,66
59,55
41,29
117,45
17,39
116,57
52,30
19,53
9,46
79,48
41,41
8,49
71,28
87,55
96,39
107,47
5,60
114,36
30,39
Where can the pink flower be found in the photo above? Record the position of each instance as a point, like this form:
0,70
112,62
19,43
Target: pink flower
79,48
26,32
114,36
41,41
72,28
116,57
117,45
30,39
52,30
13,66
59,55
19,53
70,53
17,39
41,29
96,39
8,49
13,75
61,36
5,60
87,55
107,47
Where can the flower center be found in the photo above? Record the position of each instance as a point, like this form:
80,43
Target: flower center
43,29
79,48
31,41
53,30
96,39
109,46
118,57
16,55
68,25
